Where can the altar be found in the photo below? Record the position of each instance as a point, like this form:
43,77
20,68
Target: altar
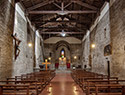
62,67
62,63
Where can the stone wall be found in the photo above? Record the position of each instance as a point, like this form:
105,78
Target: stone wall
110,29
99,35
24,32
117,19
6,41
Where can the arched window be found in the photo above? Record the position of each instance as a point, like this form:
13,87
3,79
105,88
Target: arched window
62,55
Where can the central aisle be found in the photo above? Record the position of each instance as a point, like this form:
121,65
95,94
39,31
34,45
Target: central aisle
62,84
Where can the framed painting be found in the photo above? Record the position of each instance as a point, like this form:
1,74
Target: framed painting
107,50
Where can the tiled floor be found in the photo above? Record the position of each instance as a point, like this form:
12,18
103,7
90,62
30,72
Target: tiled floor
62,84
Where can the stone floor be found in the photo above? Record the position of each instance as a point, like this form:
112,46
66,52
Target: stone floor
63,71
62,84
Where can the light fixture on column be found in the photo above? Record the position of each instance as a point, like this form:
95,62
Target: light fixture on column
49,58
30,44
93,46
75,57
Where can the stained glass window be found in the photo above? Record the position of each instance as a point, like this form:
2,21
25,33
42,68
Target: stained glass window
62,53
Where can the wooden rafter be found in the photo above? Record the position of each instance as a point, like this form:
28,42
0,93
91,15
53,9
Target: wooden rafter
57,5
85,4
16,1
79,17
67,5
43,16
32,2
61,32
54,21
44,22
87,20
107,0
40,5
65,12
62,28
79,28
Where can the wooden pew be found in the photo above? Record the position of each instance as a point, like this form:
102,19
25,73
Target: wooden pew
36,81
46,75
84,81
79,75
34,85
117,86
91,84
14,89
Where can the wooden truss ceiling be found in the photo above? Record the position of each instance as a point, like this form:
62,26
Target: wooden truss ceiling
53,16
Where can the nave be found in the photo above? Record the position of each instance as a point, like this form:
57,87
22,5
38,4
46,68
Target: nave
74,82
42,40
62,84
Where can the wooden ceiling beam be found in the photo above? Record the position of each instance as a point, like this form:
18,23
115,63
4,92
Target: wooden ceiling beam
32,2
57,5
16,1
84,26
85,4
59,28
40,5
86,20
67,5
42,16
65,12
107,0
61,32
78,28
53,21
62,7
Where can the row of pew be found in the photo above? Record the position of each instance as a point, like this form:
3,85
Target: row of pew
98,84
27,84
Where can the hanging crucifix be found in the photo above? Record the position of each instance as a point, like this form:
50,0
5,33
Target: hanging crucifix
17,43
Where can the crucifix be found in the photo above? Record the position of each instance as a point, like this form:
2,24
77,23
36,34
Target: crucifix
17,43
46,63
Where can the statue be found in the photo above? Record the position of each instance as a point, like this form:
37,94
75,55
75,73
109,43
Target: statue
17,43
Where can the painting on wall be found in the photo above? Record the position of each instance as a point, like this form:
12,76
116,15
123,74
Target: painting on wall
107,50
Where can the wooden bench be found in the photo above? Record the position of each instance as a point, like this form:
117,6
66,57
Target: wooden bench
84,81
89,80
103,86
80,75
36,82
12,89
34,85
90,87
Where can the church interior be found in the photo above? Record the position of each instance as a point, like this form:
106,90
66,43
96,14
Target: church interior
62,47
